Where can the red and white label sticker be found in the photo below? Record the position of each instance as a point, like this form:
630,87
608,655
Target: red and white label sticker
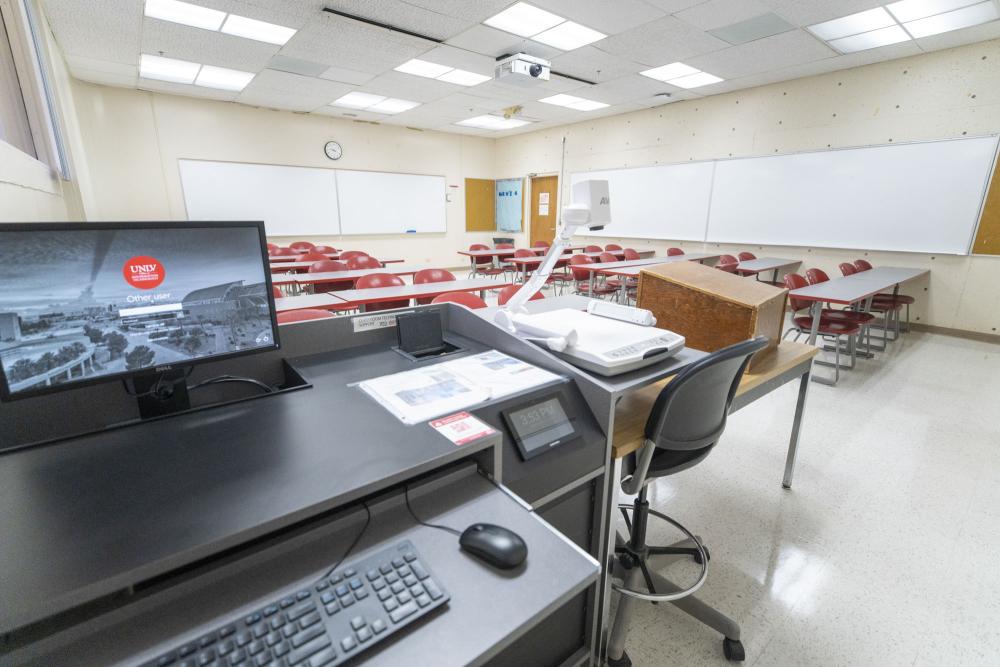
461,428
144,272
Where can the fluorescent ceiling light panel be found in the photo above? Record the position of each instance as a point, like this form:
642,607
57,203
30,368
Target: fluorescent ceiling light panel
870,40
167,69
262,31
587,105
573,102
185,13
911,10
695,80
423,68
357,100
463,78
393,105
960,18
873,19
524,20
489,122
668,72
222,78
568,36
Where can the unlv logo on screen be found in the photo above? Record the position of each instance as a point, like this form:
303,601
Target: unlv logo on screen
144,272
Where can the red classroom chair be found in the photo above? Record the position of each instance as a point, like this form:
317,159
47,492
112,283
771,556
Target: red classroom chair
431,276
483,266
325,249
276,291
612,246
467,299
541,244
312,256
301,246
581,278
271,246
303,315
727,263
351,254
510,290
802,325
282,252
746,256
631,253
504,246
375,280
363,262
889,304
329,266
674,252
593,248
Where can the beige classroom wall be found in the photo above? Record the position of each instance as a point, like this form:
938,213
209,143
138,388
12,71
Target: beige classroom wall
134,140
939,95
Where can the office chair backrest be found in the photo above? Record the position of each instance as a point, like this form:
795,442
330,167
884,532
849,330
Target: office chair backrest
690,413
276,291
728,259
794,281
612,246
327,266
301,246
673,252
593,248
351,254
862,265
312,256
746,256
847,269
524,252
363,262
325,249
510,290
282,252
576,260
303,315
630,253
467,299
432,276
606,257
816,276
481,260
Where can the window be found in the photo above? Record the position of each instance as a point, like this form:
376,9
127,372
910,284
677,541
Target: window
14,126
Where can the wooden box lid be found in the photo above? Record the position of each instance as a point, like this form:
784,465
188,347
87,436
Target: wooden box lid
720,284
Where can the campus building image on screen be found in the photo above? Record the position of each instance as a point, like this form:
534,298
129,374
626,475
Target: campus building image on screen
82,304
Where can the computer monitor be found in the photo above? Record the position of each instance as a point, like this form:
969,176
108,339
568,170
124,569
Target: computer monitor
82,303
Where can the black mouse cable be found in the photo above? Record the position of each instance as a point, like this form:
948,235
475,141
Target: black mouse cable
406,495
357,538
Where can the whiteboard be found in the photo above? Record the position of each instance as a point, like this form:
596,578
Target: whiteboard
663,202
373,202
292,201
921,197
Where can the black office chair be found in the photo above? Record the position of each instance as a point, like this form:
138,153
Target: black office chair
684,425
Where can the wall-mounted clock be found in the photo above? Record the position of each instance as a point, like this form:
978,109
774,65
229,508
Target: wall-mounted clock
333,150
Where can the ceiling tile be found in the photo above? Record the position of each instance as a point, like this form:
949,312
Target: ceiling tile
476,11
752,29
281,90
398,14
662,41
340,42
466,103
95,65
717,13
174,40
591,63
673,6
101,29
471,61
789,48
409,87
608,17
628,88
808,12
492,42
106,78
947,40
345,75
187,90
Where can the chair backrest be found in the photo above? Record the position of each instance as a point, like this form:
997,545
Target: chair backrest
363,262
272,246
862,265
504,246
467,299
374,280
524,252
350,254
282,252
690,412
312,256
630,253
847,269
795,281
728,259
673,252
541,244
481,260
432,276
727,263
593,248
497,240
816,276
510,290
612,246
303,315
276,291
325,249
606,257
576,260
746,256
327,266
301,246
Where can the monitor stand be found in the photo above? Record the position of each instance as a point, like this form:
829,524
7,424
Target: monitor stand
170,398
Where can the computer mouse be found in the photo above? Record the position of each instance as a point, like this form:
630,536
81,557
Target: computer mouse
496,545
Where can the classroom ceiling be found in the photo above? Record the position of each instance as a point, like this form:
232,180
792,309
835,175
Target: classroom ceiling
746,43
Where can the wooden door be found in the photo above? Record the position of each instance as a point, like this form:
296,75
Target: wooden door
544,208
480,209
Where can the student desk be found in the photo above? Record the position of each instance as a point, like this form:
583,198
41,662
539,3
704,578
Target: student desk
295,257
341,276
857,288
643,252
292,267
762,264
497,253
632,268
525,264
358,298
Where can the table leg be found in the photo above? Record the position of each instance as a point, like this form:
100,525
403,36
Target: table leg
793,442
774,277
593,275
815,310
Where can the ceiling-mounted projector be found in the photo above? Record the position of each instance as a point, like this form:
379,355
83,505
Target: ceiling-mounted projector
521,69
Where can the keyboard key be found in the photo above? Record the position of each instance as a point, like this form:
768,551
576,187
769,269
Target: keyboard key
302,595
409,580
416,590
165,660
391,578
281,648
384,594
328,597
372,575
398,587
188,663
187,650
277,622
244,638
335,579
404,571
272,638
357,622
322,586
332,608
237,657
356,584
423,600
271,610
432,589
309,619
307,636
404,597
405,610
298,612
286,603
225,648
409,556
324,657
260,630
348,643
419,570
361,595
378,585
364,634
206,657
350,572
346,602
390,604
289,630
303,651
342,590
385,569
398,563
226,631
256,647
251,619
207,640
263,659
378,626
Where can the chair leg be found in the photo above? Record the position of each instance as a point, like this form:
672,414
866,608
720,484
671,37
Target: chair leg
697,609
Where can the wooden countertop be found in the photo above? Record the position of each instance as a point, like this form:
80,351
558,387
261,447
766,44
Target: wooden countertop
633,409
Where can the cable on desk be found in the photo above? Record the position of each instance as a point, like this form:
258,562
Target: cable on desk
406,495
231,378
357,538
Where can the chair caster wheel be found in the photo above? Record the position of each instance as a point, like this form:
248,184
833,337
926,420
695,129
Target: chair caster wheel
733,648
697,556
623,661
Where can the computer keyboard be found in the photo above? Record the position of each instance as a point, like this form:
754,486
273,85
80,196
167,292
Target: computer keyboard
326,624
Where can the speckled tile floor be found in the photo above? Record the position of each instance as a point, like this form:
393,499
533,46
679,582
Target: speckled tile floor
885,552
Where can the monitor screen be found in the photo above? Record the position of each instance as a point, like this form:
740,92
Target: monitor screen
82,303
